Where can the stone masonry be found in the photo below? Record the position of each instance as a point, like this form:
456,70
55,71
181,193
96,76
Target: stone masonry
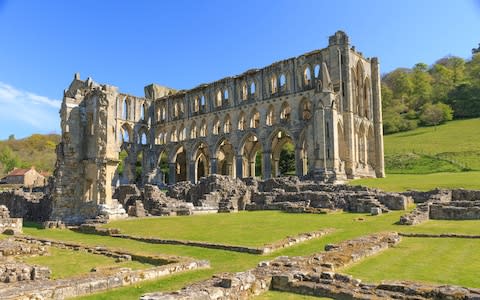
327,103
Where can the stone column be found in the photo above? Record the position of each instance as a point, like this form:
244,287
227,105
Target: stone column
348,118
267,164
377,118
251,167
213,166
319,137
239,162
172,171
298,161
192,174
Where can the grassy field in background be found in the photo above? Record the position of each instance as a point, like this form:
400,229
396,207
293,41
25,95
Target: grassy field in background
424,260
422,182
452,147
346,225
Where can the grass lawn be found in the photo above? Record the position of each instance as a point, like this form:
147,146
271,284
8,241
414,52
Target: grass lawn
347,226
448,148
273,295
424,260
66,263
422,182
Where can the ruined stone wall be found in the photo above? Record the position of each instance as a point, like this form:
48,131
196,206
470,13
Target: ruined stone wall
327,103
29,206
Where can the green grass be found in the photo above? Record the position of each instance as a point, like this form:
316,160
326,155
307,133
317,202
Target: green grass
452,147
347,226
422,182
424,260
247,229
273,295
413,163
66,263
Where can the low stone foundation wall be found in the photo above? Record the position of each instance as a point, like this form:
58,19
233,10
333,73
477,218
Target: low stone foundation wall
84,285
339,286
455,210
12,247
315,275
243,285
39,287
438,204
15,271
284,243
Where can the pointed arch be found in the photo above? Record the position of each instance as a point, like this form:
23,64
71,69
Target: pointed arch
251,151
216,126
242,124
203,128
270,115
201,157
283,149
126,132
254,118
285,112
227,124
225,155
193,130
307,76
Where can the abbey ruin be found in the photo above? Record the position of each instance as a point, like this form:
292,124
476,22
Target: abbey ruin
326,103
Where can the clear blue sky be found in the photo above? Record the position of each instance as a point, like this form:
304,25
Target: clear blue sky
183,43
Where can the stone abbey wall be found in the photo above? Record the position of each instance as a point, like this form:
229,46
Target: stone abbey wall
325,103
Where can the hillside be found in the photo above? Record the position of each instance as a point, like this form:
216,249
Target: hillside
447,156
37,150
452,147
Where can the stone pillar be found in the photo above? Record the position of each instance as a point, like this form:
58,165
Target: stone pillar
348,119
298,162
213,166
239,169
251,167
192,174
319,137
172,171
267,165
377,118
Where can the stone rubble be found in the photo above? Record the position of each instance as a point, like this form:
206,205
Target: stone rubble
9,225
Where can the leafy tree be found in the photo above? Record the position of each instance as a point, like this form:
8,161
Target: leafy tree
422,88
287,159
465,101
434,114
11,137
8,159
400,84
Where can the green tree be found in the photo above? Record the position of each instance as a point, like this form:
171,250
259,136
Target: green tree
400,83
422,87
8,159
287,160
465,101
434,114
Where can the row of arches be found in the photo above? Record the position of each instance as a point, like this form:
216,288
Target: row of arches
128,112
275,83
226,126
250,158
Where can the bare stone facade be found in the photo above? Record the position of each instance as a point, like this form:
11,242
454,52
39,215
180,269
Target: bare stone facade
326,103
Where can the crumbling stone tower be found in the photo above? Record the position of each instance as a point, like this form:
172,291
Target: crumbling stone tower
326,103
